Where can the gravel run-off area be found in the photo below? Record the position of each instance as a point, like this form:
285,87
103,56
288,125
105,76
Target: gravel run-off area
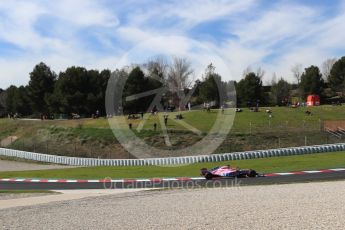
10,196
290,206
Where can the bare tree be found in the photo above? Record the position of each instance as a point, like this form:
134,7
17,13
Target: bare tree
297,70
157,68
210,70
180,74
180,77
246,71
260,72
274,79
327,67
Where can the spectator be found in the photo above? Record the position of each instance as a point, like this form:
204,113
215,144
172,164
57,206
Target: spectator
97,114
222,108
166,119
179,117
154,110
208,109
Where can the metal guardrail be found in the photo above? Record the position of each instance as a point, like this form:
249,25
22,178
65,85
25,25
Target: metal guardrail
76,161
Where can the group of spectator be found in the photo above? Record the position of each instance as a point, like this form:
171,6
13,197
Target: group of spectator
13,116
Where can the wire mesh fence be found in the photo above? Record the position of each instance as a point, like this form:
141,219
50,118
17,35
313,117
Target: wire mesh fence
235,142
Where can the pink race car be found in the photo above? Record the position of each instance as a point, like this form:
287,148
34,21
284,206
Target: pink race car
227,171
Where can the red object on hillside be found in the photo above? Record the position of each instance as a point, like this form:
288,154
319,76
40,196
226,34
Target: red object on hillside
313,100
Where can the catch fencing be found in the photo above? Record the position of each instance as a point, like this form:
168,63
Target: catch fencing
77,161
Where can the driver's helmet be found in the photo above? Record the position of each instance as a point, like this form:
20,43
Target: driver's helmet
204,171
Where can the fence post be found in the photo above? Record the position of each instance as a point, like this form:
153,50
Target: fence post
320,124
305,140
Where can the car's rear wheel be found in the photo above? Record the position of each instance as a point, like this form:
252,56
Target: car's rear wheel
252,173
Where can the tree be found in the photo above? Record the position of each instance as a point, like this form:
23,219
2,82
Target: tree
138,83
179,78
260,72
280,92
311,81
249,90
336,77
297,72
157,68
17,100
41,86
2,98
10,101
2,102
211,88
81,91
327,67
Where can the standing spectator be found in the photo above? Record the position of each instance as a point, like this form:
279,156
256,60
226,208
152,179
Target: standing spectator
208,109
154,110
166,119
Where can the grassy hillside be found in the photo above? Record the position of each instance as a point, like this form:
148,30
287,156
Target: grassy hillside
251,130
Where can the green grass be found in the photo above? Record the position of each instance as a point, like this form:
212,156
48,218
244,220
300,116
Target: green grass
266,165
282,116
94,138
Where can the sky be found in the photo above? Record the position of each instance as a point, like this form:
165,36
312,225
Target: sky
98,34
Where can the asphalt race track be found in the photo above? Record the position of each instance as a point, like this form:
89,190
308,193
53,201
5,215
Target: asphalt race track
329,176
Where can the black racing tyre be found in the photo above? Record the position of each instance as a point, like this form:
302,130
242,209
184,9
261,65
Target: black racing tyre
252,173
208,176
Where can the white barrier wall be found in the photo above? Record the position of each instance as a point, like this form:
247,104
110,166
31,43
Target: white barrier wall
76,161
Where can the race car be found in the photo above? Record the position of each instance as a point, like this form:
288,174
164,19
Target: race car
227,171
